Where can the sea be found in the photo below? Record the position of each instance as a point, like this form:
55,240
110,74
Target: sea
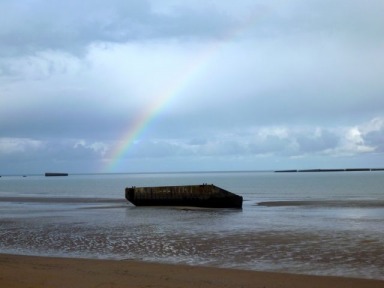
308,223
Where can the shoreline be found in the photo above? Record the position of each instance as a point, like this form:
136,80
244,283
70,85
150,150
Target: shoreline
19,271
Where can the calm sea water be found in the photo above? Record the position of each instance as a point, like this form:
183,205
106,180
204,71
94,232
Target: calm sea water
313,223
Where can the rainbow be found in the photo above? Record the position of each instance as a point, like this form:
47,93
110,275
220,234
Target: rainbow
146,116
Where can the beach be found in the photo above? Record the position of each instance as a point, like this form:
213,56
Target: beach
320,224
18,271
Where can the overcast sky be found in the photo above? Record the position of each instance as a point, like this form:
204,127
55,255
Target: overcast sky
223,85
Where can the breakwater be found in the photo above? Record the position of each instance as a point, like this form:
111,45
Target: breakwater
330,170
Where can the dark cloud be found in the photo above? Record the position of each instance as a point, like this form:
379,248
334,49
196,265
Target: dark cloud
71,26
317,141
373,134
24,155
27,26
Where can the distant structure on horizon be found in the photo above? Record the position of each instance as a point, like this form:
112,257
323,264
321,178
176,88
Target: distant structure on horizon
330,170
50,174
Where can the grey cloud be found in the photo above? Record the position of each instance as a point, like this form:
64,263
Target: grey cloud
376,139
272,144
62,121
309,142
373,134
284,141
72,25
27,27
60,95
348,17
68,25
278,142
354,20
55,118
38,156
259,143
197,141
153,149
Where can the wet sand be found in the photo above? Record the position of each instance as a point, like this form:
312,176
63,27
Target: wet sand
28,271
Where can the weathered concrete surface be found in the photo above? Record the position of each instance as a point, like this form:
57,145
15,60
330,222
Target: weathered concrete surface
209,196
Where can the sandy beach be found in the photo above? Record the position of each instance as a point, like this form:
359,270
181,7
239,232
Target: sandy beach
29,271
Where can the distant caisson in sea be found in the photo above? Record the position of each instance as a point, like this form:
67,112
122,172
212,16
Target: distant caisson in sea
47,174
